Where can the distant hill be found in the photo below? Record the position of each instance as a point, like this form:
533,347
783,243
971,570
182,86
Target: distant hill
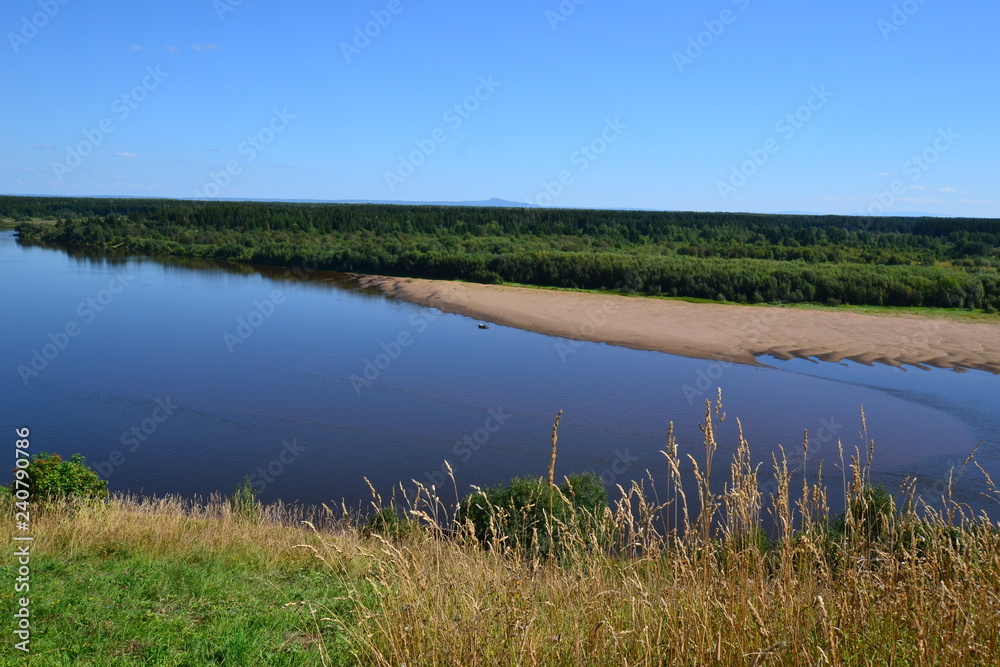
882,214
494,201
905,214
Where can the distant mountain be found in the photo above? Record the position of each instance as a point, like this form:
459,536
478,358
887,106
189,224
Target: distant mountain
494,201
905,214
884,214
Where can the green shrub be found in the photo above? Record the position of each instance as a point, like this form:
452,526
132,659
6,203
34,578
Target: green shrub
50,477
755,539
869,515
529,515
244,503
388,523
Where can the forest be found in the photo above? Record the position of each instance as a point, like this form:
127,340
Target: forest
736,257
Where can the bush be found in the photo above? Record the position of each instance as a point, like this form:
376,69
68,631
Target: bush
244,503
388,523
529,515
50,478
755,539
869,515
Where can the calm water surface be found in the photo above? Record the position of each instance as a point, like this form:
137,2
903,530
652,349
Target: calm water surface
166,391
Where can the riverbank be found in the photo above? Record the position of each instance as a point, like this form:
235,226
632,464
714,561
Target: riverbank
724,332
170,581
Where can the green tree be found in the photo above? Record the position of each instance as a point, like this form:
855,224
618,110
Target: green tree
51,478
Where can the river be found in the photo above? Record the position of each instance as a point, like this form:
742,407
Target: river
176,376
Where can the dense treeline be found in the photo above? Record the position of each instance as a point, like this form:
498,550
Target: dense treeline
737,257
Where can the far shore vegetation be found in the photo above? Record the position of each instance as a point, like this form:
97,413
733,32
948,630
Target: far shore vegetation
954,314
941,264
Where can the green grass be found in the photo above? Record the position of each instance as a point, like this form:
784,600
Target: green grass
953,314
172,593
11,223
126,608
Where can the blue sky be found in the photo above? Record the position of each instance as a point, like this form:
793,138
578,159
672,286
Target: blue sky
728,105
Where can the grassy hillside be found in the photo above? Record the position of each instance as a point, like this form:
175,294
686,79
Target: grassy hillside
167,582
171,582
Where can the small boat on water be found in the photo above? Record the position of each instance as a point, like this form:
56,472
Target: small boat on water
483,326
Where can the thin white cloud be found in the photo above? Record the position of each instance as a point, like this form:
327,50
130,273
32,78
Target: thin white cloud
124,154
948,189
135,47
45,147
884,174
214,47
197,47
916,187
172,49
18,181
977,201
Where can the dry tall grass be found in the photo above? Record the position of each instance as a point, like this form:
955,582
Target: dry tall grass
674,581
911,585
172,525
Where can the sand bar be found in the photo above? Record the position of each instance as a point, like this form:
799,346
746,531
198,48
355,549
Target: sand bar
712,331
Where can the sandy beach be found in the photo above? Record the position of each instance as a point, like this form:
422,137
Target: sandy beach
712,331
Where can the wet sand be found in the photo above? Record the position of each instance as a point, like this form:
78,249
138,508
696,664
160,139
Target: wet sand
712,331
